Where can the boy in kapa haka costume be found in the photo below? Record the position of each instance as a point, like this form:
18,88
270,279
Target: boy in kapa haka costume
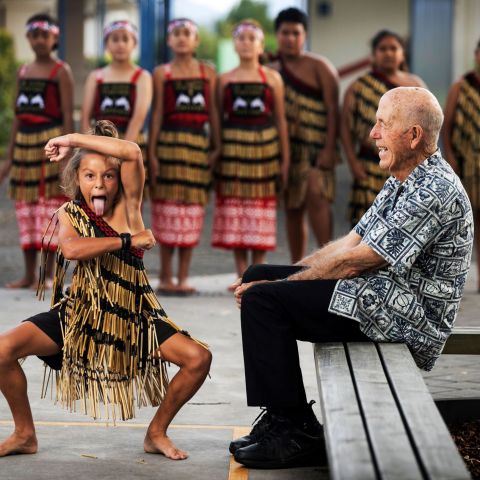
461,139
183,130
121,92
255,154
116,336
311,105
43,110
358,118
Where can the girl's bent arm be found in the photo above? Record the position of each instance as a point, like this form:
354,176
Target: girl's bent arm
142,104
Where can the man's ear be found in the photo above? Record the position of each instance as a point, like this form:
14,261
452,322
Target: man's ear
417,136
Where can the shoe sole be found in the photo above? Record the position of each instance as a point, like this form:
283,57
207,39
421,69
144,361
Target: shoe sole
307,459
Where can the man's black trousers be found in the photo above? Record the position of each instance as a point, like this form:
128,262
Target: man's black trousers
274,316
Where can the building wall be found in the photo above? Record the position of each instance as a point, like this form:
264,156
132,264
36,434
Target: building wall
343,36
466,34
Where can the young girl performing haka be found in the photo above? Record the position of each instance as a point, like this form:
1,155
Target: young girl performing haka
107,335
43,110
122,91
183,146
254,138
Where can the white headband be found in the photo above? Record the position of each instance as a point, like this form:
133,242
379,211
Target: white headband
42,25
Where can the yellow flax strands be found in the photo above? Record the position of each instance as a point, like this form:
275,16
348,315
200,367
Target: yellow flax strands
109,312
30,167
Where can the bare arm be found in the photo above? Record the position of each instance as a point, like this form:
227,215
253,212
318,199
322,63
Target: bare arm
74,247
351,240
142,104
347,257
214,119
65,83
131,171
328,77
88,101
447,128
281,122
342,263
356,168
155,121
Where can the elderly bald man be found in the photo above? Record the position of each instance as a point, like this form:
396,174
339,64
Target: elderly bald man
398,276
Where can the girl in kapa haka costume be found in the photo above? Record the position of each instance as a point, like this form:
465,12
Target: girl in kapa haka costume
122,91
358,118
108,336
183,146
43,110
254,152
461,139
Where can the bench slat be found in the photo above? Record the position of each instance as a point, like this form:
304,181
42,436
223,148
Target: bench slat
433,442
392,449
350,458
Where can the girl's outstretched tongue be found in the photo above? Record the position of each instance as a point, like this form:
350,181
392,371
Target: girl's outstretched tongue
99,205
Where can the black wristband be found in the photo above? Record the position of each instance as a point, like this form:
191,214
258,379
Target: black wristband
126,241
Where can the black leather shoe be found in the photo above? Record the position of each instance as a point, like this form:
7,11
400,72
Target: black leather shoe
264,421
283,446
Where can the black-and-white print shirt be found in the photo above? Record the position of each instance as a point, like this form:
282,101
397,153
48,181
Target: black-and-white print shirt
423,228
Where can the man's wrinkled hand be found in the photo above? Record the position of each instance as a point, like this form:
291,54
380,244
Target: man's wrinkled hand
242,288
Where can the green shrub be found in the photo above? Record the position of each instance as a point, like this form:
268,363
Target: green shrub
8,69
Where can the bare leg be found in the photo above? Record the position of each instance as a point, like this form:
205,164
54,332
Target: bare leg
194,362
29,279
240,255
22,341
318,208
184,259
258,256
166,274
297,233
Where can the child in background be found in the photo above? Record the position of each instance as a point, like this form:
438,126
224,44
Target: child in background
43,110
255,152
183,146
122,91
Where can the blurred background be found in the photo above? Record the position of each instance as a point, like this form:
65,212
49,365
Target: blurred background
441,37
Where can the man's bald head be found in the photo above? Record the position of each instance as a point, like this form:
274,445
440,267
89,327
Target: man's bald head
417,106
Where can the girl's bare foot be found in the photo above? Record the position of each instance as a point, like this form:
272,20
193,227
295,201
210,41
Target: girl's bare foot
167,288
23,283
163,445
17,444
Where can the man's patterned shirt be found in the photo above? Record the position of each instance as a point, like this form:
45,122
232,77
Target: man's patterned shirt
423,228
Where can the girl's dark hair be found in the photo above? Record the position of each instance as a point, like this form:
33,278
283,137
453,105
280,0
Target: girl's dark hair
375,42
478,44
103,128
44,17
291,15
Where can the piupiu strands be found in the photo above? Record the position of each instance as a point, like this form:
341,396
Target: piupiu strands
110,321
250,163
367,91
307,130
32,176
184,172
466,135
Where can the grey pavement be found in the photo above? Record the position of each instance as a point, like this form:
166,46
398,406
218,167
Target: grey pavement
73,446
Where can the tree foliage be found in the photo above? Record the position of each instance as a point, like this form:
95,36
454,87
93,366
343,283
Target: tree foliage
255,9
8,69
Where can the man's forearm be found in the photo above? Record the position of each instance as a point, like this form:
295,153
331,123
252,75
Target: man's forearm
340,262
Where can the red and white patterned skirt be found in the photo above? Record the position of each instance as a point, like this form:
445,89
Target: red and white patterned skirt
245,223
33,219
177,224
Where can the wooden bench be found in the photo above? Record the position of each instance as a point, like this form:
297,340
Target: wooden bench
379,418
